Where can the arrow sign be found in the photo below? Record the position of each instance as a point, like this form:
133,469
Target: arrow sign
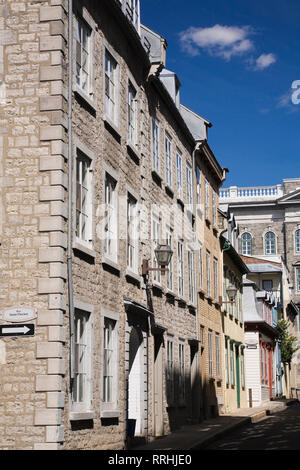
17,330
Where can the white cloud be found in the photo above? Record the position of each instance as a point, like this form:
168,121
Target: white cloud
218,40
265,60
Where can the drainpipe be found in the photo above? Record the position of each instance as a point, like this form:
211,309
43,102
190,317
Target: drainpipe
70,194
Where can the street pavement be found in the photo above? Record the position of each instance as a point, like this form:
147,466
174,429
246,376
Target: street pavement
200,436
278,432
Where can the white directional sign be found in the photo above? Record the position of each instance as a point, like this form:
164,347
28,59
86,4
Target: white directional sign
17,330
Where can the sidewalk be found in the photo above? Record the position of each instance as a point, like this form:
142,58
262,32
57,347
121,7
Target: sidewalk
197,436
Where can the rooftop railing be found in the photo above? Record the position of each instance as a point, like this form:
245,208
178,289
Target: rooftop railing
234,193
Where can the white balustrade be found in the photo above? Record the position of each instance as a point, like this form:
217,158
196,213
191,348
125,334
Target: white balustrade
257,192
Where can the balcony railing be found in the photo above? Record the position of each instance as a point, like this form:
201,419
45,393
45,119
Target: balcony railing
233,193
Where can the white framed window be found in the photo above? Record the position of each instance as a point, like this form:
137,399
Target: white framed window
132,114
218,361
198,177
168,150
181,372
111,218
179,174
216,279
82,384
202,338
297,273
206,199
84,199
208,273
270,243
132,240
189,186
180,267
297,241
191,271
111,87
156,235
133,13
214,208
170,370
169,237
109,363
83,56
200,274
155,145
226,362
210,354
246,243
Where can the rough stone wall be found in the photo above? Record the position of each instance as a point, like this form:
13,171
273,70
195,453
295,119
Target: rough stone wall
32,195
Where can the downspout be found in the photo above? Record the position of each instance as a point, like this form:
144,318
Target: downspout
70,195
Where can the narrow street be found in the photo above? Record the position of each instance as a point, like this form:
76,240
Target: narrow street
280,431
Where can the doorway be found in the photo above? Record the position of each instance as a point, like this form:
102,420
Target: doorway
158,386
135,381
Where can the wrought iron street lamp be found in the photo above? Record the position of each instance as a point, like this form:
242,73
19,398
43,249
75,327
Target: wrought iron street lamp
163,255
231,292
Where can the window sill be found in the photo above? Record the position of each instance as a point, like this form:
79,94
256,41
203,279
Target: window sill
156,177
110,414
81,415
133,152
169,191
157,285
111,263
133,275
170,293
84,249
181,300
112,127
83,96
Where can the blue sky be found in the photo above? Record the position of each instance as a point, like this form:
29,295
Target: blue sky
236,61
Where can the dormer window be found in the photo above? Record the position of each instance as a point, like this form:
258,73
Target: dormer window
132,10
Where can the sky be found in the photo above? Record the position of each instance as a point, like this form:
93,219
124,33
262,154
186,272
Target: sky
237,61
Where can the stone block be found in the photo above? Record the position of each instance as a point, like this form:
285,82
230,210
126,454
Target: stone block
52,13
51,417
50,286
52,193
49,73
51,43
51,224
55,399
53,254
58,270
48,383
54,162
48,350
51,103
52,133
56,333
54,434
46,446
50,317
56,366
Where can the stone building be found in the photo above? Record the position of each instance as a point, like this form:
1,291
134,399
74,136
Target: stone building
208,177
97,162
269,222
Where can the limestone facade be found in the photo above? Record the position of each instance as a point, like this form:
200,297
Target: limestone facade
127,351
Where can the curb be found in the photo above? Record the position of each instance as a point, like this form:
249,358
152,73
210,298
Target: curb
218,435
255,418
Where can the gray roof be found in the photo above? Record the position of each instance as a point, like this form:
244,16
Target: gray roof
263,268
